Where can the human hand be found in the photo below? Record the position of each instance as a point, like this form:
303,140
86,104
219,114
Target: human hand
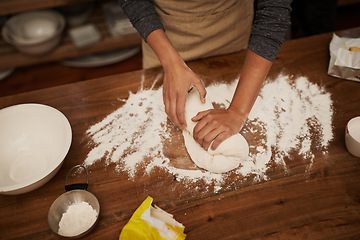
216,125
178,80
178,77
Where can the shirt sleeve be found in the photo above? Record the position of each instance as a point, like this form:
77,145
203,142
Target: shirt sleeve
272,18
142,15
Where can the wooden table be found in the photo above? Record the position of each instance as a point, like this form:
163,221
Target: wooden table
323,204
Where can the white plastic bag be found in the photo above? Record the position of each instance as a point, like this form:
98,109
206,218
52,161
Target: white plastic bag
344,63
152,223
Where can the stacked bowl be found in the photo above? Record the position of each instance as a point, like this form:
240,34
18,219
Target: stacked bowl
35,32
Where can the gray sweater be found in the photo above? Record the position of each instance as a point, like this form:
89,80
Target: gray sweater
272,18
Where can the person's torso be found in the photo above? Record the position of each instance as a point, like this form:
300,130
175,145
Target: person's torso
203,28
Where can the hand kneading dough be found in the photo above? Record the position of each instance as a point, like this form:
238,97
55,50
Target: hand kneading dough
228,155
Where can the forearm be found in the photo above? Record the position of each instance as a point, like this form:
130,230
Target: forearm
178,77
164,50
252,77
272,18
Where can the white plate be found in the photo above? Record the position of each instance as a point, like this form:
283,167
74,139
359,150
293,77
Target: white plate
101,59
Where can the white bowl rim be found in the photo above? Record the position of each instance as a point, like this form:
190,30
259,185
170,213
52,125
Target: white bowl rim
355,121
54,165
50,13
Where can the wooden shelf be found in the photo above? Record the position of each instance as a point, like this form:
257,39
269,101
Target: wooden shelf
13,6
347,2
10,57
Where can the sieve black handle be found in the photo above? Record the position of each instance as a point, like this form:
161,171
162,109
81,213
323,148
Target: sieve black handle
74,186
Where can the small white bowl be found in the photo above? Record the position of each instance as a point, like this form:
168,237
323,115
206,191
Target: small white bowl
39,28
35,32
34,140
352,136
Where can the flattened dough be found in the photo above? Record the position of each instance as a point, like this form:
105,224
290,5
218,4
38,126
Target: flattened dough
228,155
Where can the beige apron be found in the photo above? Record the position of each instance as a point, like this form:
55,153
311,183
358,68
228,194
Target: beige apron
203,28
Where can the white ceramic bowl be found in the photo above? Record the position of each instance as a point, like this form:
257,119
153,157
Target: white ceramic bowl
34,140
352,136
35,32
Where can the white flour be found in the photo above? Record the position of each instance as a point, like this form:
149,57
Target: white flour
77,219
288,116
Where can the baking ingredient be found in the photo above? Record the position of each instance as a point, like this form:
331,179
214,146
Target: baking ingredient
77,219
290,115
344,58
227,156
354,49
133,133
151,222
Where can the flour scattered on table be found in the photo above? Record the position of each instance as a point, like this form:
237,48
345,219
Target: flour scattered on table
293,116
289,116
132,134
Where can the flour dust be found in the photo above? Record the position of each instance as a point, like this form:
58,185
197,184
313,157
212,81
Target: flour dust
287,117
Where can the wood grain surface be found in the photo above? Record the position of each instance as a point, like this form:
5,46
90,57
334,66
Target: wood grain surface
321,204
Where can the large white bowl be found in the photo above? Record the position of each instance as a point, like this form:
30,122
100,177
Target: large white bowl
34,140
35,32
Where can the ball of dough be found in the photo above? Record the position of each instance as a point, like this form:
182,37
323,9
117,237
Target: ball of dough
228,155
